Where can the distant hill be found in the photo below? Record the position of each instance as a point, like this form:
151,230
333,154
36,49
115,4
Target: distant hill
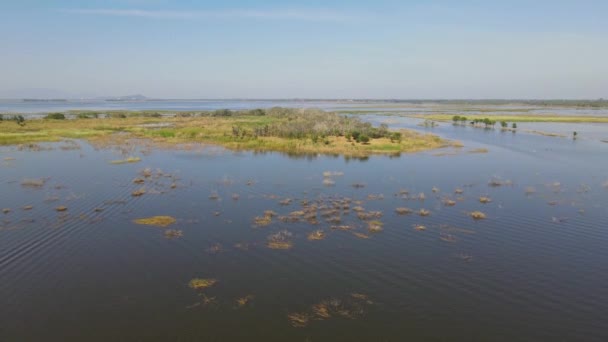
137,97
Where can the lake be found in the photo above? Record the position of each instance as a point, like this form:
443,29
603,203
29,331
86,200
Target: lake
535,269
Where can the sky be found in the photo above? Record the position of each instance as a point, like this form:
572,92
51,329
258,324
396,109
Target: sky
381,49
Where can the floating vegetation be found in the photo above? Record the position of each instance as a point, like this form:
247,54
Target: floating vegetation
126,161
477,215
27,207
33,182
214,249
361,235
424,212
448,202
61,208
285,202
343,227
298,320
241,302
328,174
485,199
559,219
316,235
375,226
459,191
214,196
447,237
420,196
369,215
465,257
403,211
358,185
496,182
552,203
351,307
372,197
235,197
280,240
328,182
419,227
244,246
530,190
159,221
435,189
478,150
262,221
201,284
173,234
138,193
139,181
6,210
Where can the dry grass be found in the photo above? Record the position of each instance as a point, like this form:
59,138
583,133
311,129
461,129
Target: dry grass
61,208
201,283
159,221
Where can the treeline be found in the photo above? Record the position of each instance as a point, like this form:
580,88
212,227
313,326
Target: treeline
18,119
487,122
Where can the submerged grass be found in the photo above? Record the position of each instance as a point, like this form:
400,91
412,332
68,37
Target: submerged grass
159,221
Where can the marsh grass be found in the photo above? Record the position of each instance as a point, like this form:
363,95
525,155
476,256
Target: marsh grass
33,182
403,211
361,235
280,240
129,160
419,227
298,320
201,283
243,301
173,234
375,226
424,212
477,215
485,199
139,192
159,221
316,235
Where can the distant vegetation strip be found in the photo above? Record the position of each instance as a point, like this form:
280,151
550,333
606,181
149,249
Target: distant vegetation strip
518,118
275,129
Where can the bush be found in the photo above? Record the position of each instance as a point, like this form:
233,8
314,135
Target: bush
55,116
364,139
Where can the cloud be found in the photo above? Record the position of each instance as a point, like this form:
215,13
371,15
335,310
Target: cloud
282,14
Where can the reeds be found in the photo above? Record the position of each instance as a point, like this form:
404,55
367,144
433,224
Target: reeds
280,240
403,211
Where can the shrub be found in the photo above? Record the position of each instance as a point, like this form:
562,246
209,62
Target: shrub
364,139
55,116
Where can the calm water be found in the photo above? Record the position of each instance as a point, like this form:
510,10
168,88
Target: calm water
535,270
42,107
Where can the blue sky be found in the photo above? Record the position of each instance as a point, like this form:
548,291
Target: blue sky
307,49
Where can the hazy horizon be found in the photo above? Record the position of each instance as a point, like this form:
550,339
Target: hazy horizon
384,49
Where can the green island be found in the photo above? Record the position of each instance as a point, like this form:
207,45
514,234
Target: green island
276,129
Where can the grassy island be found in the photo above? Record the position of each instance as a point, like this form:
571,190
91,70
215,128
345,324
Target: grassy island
276,129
